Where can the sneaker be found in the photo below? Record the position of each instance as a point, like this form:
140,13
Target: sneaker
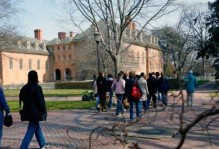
46,146
119,115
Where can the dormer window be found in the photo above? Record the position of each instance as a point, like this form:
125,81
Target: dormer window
44,46
36,46
28,45
19,44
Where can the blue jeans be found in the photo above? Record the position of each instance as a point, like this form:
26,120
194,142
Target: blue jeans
110,100
33,128
119,108
164,98
1,125
137,106
97,101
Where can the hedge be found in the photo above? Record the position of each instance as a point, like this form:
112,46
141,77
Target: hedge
74,85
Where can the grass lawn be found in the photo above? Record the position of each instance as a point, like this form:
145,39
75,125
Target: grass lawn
49,92
57,105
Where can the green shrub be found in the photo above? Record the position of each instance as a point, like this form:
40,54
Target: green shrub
74,85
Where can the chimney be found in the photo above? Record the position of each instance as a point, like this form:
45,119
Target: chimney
133,25
38,33
61,35
72,34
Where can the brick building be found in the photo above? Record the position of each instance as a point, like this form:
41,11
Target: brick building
73,57
24,54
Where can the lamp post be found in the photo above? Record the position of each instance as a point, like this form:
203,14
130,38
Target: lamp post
97,37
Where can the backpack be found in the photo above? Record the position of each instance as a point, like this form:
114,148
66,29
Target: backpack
136,93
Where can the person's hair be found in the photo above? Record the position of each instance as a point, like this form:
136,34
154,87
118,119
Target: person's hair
109,75
100,74
157,74
32,77
142,74
131,74
150,74
125,75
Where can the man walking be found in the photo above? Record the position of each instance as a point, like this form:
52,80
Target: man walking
190,83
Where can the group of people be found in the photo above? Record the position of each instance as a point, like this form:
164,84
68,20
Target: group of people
34,108
152,88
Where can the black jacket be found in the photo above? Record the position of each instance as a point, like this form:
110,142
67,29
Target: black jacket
152,85
32,97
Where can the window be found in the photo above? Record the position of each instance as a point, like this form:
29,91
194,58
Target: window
44,46
69,47
143,59
36,46
63,47
28,45
59,58
47,66
137,57
19,44
11,63
38,64
30,64
58,48
21,63
70,57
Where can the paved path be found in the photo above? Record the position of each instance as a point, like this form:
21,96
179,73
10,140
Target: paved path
70,129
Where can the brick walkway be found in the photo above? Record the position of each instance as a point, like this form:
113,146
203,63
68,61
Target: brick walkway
70,129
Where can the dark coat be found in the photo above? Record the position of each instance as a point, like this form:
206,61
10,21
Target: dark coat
128,88
152,85
163,85
101,87
32,97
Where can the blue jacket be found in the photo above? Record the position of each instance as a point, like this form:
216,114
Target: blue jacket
3,103
190,83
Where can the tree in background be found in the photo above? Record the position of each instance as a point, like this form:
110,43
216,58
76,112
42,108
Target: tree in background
212,47
116,15
8,11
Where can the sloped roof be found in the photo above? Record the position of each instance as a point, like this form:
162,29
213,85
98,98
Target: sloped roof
27,45
146,39
57,41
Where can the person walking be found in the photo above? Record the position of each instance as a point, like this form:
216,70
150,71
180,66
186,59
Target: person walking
128,91
163,88
4,107
101,91
34,110
119,84
142,83
158,94
190,83
109,82
152,88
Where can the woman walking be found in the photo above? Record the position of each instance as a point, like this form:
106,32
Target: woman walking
34,110
128,90
119,85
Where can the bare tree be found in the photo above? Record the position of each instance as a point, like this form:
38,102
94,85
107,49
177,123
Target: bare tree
195,19
8,11
116,16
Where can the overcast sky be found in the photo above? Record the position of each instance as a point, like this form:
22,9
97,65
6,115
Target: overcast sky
41,14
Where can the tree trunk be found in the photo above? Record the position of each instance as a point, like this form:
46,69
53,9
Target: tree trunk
203,67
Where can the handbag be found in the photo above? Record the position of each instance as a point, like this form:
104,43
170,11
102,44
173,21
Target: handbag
8,120
136,93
